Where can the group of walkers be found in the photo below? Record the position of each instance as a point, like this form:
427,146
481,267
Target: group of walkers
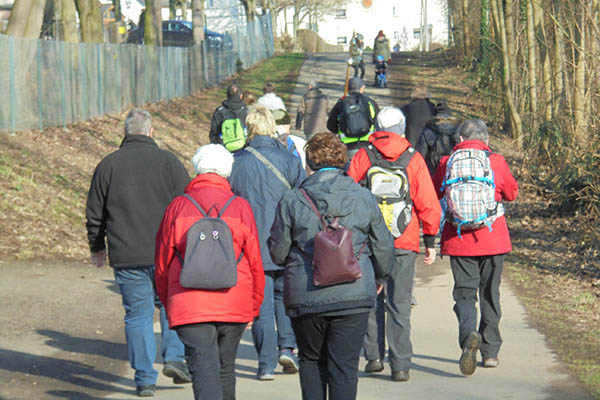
309,240
382,56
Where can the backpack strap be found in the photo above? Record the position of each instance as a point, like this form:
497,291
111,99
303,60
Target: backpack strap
198,206
226,205
269,165
376,157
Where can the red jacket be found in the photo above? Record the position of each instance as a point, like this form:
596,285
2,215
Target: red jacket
426,206
480,242
240,303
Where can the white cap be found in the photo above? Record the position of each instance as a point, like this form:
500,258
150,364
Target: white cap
213,158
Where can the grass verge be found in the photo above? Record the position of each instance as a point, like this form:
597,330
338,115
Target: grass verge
45,175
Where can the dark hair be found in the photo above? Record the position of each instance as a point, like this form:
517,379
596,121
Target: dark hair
234,91
325,150
268,88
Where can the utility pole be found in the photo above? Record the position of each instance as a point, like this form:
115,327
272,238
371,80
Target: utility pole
426,26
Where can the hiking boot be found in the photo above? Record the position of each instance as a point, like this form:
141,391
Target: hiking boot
145,391
374,366
490,362
288,360
468,358
400,376
178,371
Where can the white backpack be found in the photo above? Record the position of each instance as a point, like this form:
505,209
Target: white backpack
469,190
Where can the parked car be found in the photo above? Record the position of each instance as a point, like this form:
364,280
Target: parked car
179,33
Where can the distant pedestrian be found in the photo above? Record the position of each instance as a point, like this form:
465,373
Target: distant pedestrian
389,151
356,54
381,47
313,110
228,124
418,112
262,172
128,195
210,322
353,117
249,98
270,99
329,321
476,247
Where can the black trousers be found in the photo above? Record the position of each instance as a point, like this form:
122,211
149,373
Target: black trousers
328,349
210,350
473,274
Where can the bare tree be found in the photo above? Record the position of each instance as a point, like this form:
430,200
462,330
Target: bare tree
152,23
26,18
90,21
198,20
68,21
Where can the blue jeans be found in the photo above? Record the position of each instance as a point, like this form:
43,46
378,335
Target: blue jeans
139,299
272,311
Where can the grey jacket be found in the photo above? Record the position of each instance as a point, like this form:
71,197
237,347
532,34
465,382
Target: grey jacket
313,110
295,227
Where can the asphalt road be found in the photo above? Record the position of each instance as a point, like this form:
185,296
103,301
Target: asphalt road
61,329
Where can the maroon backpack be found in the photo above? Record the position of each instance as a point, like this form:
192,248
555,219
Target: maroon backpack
334,261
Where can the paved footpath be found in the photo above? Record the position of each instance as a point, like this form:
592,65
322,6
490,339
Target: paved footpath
527,370
63,336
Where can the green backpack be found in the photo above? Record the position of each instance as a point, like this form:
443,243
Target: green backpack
233,132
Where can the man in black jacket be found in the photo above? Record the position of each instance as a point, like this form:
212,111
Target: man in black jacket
128,195
232,107
418,112
346,124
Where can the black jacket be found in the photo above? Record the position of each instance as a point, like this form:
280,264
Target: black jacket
438,139
231,106
295,227
333,123
129,193
417,113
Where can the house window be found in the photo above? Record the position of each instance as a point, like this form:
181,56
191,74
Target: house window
396,36
340,13
342,40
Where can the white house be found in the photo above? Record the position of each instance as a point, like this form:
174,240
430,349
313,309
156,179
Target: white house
400,21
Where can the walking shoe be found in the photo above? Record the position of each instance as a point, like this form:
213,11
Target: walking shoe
178,371
468,358
288,360
490,362
145,391
374,366
400,376
266,376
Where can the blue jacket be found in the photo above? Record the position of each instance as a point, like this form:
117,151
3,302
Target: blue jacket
253,181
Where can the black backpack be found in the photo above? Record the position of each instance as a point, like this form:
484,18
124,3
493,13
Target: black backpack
438,146
355,118
209,262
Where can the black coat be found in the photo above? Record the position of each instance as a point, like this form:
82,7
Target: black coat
417,113
233,107
438,139
295,227
129,193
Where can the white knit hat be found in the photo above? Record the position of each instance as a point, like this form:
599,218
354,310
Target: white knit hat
213,158
391,119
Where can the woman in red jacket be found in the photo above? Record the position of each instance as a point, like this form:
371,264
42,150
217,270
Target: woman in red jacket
210,323
477,257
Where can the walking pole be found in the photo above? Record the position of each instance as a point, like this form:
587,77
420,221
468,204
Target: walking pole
348,64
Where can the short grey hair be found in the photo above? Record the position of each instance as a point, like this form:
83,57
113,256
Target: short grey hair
473,129
313,84
138,122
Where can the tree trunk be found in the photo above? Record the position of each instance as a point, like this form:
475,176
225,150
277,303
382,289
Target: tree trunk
559,58
184,9
198,20
511,41
172,9
484,42
68,21
545,58
579,81
152,25
532,67
515,119
26,18
466,29
90,21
